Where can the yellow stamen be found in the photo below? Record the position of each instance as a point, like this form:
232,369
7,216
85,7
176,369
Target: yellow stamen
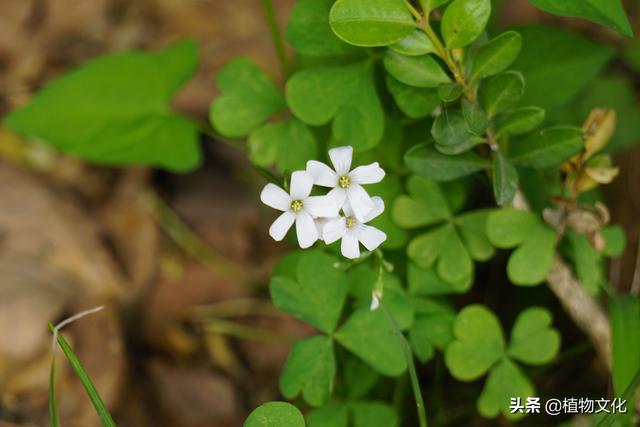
296,205
350,221
344,181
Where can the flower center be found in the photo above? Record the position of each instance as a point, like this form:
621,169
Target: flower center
296,205
344,181
350,221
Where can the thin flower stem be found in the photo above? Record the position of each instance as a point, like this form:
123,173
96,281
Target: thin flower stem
276,36
413,375
413,10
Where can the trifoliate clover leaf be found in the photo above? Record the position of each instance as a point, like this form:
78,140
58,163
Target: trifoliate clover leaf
432,328
530,263
505,381
288,145
333,414
388,189
370,336
419,71
310,371
427,282
345,94
533,340
478,344
463,21
318,293
275,414
587,261
114,110
358,378
371,22
615,241
248,98
373,414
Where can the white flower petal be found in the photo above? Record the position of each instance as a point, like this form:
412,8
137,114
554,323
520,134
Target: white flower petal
322,174
339,196
301,184
275,197
370,236
369,174
349,246
333,230
341,159
346,208
306,230
320,223
359,200
378,208
281,225
321,206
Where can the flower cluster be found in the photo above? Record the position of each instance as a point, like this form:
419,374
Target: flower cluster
320,217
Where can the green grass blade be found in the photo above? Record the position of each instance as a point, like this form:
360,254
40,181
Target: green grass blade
95,398
53,407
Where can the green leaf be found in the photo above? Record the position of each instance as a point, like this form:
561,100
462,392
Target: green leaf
502,92
432,330
478,343
248,98
606,12
615,241
288,144
463,21
388,189
426,205
472,227
547,148
475,117
333,414
521,121
310,370
449,92
373,414
415,44
346,94
370,336
309,31
357,377
426,161
496,56
505,381
450,130
539,246
624,312
318,294
418,71
114,110
425,281
533,340
275,414
557,65
507,228
587,261
505,179
414,102
454,261
371,22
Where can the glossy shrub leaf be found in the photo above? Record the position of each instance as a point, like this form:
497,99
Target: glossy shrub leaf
373,414
505,179
463,21
606,12
418,71
425,281
451,133
346,94
287,144
248,98
333,414
522,120
475,117
533,340
547,148
309,370
478,343
309,31
318,294
449,92
505,381
414,102
557,65
415,44
502,92
426,161
496,56
272,414
114,110
371,22
370,336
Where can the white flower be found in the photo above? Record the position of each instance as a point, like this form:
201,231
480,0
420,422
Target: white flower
346,184
353,232
298,207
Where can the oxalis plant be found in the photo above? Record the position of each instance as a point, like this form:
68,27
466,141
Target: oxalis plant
401,157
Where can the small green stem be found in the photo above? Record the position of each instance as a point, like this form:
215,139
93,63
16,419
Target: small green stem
413,10
276,36
413,375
